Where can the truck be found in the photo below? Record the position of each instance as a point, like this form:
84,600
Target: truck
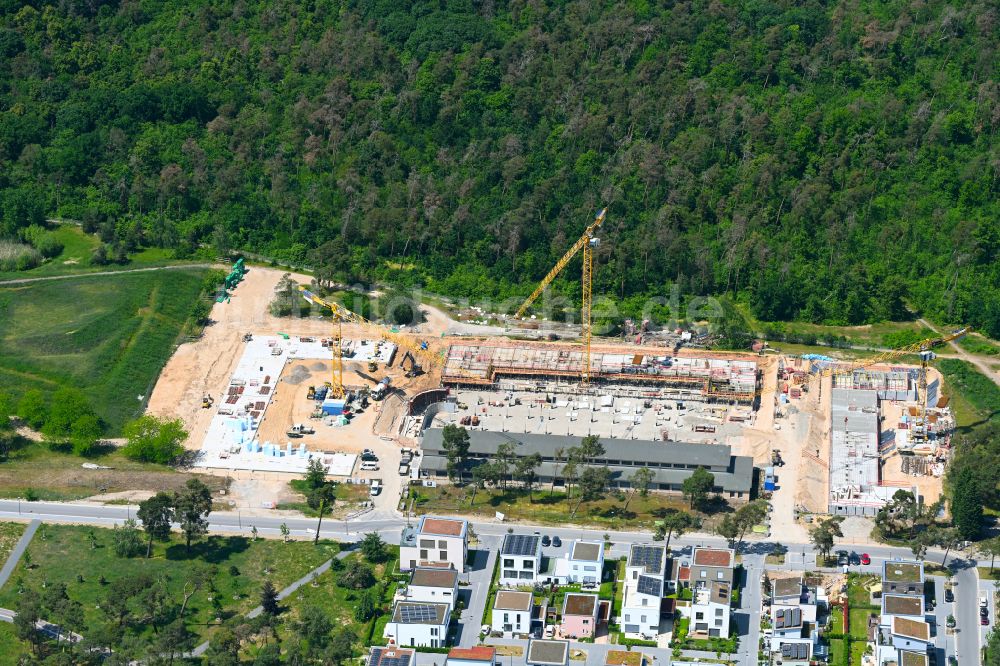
382,389
300,429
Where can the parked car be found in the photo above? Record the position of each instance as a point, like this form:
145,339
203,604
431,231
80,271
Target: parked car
369,457
984,620
546,541
854,559
866,559
556,541
984,611
842,558
949,596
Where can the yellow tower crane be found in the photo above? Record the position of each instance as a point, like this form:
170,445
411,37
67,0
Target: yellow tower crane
588,242
341,314
922,348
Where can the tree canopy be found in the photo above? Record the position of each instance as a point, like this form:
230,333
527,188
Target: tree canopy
828,161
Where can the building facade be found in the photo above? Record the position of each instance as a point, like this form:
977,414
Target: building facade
434,543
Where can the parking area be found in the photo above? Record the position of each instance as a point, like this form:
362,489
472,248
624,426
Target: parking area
608,415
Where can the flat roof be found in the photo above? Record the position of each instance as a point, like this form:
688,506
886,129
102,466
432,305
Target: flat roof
648,556
580,604
911,628
786,587
712,557
902,604
854,447
587,551
910,658
902,571
426,577
485,443
442,526
513,601
623,658
520,544
477,653
546,652
420,612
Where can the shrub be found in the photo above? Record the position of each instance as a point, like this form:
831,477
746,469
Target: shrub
151,439
18,257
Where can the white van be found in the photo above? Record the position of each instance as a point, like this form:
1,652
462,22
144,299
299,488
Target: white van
376,488
369,466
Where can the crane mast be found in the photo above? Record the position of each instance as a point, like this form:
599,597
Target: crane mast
588,242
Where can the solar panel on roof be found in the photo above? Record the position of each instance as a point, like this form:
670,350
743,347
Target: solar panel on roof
417,613
380,658
649,585
520,544
650,557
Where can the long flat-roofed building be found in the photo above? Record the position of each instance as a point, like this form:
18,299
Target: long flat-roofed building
670,462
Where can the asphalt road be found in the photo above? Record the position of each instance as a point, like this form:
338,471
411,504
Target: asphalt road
389,526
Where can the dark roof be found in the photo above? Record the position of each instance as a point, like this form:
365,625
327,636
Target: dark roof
740,479
646,556
587,551
485,442
425,577
786,587
787,618
902,604
418,612
547,652
580,604
380,656
520,544
795,650
650,585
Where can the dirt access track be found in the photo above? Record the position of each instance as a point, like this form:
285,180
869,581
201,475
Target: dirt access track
206,365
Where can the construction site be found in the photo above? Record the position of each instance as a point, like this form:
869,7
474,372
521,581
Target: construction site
263,395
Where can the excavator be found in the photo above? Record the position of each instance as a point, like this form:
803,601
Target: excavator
414,370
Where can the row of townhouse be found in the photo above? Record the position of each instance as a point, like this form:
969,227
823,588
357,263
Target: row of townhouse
903,634
794,608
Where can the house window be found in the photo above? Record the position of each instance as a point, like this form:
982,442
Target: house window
718,612
529,564
644,601
442,543
699,616
427,543
586,622
643,619
444,554
627,618
423,554
635,574
704,574
434,631
720,575
506,617
508,563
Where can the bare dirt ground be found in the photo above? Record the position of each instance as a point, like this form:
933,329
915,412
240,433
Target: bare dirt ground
812,433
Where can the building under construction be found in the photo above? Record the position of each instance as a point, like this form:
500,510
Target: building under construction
856,485
713,379
890,383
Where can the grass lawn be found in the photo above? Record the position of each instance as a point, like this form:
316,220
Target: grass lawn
108,336
974,397
11,648
59,553
859,623
986,574
974,343
56,476
858,652
858,596
339,602
9,534
838,650
836,621
551,509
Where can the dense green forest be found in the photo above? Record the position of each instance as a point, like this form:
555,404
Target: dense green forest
833,161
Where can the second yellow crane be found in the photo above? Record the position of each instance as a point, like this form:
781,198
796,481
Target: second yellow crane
588,242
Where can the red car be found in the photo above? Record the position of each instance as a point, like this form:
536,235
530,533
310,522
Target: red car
865,559
984,620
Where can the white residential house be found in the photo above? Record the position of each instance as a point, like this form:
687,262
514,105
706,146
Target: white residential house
512,612
433,586
910,635
435,542
709,611
417,623
794,636
520,559
583,563
645,587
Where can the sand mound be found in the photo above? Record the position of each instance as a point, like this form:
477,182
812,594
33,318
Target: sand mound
299,374
319,365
